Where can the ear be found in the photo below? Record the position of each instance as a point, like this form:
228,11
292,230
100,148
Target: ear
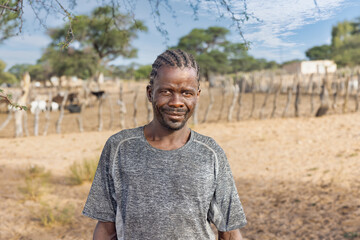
198,93
149,92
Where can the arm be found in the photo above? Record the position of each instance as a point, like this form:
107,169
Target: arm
105,231
231,235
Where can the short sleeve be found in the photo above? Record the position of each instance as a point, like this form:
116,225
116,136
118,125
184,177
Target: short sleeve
226,211
100,204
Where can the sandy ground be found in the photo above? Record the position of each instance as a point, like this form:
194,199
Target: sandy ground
298,178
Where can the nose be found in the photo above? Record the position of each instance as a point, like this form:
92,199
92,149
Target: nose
176,101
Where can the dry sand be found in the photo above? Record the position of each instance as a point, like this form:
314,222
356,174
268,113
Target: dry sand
298,178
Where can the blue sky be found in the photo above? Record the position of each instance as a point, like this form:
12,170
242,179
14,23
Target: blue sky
287,28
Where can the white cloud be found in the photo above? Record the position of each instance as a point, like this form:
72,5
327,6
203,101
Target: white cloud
278,20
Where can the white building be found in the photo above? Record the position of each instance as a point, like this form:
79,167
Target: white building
309,67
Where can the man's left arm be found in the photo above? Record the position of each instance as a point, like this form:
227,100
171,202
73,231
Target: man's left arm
230,235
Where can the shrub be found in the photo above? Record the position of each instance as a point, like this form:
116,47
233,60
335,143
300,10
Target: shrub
49,216
84,171
36,179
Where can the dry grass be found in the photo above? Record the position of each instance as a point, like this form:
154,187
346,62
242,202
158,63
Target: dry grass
55,215
36,181
82,172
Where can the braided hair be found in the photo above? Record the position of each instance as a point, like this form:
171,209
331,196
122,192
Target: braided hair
174,58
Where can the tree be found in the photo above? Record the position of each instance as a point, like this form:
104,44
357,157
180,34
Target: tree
319,52
143,72
9,20
19,69
101,37
207,46
6,77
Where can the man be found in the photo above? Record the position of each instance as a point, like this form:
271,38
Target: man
164,180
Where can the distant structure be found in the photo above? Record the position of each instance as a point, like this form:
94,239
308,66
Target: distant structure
309,67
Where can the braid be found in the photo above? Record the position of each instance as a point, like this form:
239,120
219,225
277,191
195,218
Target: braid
173,58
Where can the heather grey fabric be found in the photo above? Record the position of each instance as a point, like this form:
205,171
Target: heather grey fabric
156,194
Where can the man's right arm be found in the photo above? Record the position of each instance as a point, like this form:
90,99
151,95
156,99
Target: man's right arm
105,231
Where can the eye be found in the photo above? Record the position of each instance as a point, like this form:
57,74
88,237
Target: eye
188,93
165,92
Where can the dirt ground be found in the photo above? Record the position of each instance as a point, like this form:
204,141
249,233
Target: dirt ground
298,178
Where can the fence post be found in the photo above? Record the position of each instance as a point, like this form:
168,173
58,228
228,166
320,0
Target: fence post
62,106
209,107
266,97
242,91
277,91
235,89
253,95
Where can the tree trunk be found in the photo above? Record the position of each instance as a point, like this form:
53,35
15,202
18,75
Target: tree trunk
25,120
235,89
242,91
209,107
61,116
312,99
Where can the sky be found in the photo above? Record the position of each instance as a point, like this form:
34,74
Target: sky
279,30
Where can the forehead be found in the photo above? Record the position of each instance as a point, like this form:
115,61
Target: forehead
168,74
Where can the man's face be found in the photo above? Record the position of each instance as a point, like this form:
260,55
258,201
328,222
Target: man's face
174,95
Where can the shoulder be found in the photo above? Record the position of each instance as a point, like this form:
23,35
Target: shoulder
208,142
124,135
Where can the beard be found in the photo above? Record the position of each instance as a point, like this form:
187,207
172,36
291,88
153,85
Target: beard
164,115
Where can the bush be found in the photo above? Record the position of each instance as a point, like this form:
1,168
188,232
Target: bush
84,171
36,179
49,216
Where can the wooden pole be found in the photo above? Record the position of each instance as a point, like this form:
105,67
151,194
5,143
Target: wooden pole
61,116
122,107
235,89
7,120
242,91
346,97
297,98
135,107
253,95
209,107
19,114
111,111
266,97
47,114
100,119
289,96
223,92
36,120
357,93
275,98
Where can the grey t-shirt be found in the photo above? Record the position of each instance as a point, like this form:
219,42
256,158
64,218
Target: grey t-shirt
157,194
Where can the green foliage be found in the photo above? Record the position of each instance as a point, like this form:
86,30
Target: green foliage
36,179
319,52
101,37
19,70
345,45
81,172
143,72
6,77
215,54
9,20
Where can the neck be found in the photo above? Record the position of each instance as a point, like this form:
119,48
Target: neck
166,139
